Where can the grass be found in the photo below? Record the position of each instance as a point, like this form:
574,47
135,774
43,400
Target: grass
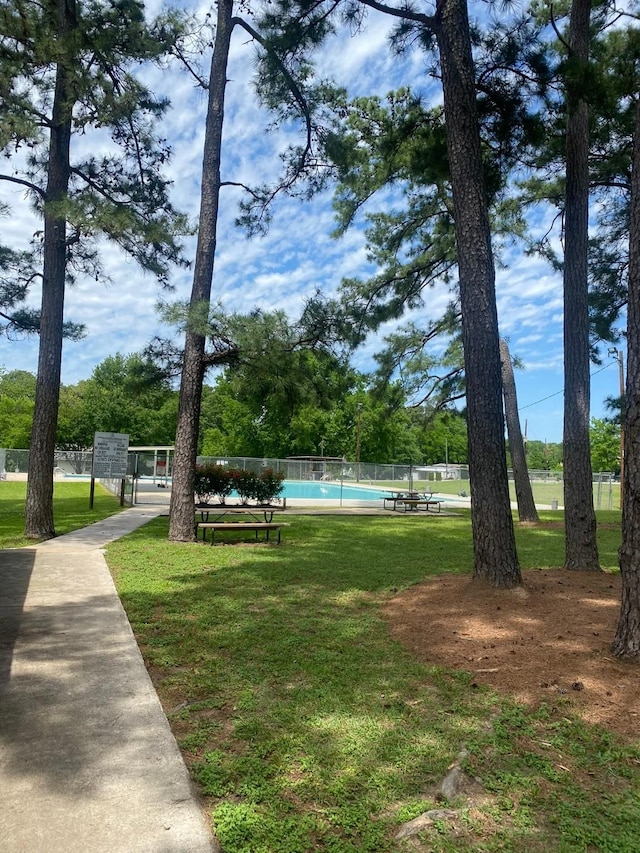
308,729
605,495
70,509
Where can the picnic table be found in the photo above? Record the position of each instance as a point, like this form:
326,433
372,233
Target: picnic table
212,518
214,512
410,500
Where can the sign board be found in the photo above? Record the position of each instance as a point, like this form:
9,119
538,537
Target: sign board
110,455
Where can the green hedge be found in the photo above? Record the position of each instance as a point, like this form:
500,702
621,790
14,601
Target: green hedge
217,482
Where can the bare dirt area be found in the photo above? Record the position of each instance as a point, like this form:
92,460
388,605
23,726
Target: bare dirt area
551,637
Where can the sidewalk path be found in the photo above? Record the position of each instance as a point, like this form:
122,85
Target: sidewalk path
88,763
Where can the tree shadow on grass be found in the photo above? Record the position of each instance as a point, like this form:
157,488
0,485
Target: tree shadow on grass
286,690
285,686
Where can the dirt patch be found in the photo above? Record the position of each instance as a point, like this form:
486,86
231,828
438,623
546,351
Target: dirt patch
551,637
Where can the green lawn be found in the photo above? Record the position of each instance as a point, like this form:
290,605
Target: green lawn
308,729
605,495
70,509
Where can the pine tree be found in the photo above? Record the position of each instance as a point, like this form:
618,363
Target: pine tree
524,493
580,537
66,70
193,362
495,557
627,640
196,359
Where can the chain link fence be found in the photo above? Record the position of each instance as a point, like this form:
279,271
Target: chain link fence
66,462
156,465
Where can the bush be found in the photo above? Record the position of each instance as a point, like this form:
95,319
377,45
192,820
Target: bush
270,485
245,483
212,480
217,481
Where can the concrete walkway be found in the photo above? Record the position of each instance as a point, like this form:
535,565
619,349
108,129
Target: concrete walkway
88,763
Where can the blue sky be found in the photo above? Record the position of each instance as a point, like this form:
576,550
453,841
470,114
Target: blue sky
299,255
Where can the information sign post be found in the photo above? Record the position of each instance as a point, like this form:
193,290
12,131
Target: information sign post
109,462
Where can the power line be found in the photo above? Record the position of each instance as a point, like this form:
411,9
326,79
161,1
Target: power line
557,393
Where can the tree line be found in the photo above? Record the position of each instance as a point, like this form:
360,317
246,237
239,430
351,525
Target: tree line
240,417
311,411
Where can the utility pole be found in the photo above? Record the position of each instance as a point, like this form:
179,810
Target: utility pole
617,354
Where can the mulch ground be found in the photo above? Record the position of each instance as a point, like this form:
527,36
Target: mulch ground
551,637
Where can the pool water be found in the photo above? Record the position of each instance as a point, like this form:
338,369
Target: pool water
306,489
317,490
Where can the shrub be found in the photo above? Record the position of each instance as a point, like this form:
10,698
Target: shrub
212,480
245,484
269,486
217,481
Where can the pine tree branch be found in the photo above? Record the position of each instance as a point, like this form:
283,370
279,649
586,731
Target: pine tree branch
404,12
24,183
291,83
220,355
74,238
202,82
561,38
244,187
138,155
96,186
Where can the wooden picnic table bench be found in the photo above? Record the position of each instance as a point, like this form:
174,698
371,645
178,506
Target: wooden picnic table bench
411,500
257,526
416,503
394,497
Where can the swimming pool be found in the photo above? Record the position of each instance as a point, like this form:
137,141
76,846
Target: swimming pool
311,490
322,491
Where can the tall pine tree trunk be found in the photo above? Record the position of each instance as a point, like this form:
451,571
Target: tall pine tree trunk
39,522
495,557
627,639
182,508
524,494
581,549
